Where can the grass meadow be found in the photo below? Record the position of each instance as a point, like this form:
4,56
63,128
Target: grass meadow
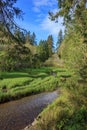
14,85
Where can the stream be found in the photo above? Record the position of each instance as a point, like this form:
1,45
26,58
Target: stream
16,115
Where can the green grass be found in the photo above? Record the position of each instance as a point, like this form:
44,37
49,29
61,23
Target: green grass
14,85
67,112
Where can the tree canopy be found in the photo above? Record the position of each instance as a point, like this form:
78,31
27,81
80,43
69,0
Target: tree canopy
8,12
69,9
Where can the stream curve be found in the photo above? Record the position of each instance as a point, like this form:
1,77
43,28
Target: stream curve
16,115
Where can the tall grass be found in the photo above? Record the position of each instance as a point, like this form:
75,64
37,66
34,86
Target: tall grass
15,85
67,112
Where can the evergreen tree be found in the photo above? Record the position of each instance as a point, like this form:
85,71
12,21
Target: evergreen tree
28,37
33,39
43,50
50,45
20,35
7,13
15,56
60,39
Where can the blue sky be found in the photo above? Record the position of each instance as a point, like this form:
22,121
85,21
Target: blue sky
36,18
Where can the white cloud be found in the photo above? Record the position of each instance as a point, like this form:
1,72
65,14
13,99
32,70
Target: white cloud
42,3
52,27
39,3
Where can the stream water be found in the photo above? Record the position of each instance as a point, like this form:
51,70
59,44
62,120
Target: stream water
16,115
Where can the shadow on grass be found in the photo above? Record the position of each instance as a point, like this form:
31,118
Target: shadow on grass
33,73
14,75
21,74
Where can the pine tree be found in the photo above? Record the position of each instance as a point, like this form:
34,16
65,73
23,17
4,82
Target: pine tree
33,39
28,37
20,35
50,45
60,39
7,13
43,50
15,55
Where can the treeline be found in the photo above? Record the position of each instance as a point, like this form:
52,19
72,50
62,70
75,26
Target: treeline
24,53
19,48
